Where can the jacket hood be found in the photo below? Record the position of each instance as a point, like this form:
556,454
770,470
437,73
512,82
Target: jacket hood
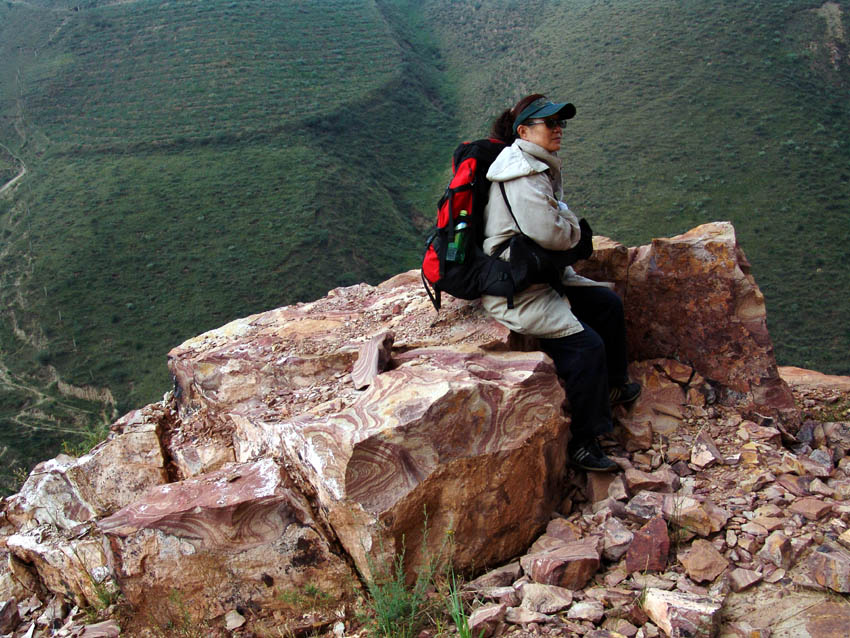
524,158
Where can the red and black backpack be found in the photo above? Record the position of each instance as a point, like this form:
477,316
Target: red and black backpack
454,260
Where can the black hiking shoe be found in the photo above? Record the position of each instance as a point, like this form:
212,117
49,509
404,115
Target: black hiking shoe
624,394
590,457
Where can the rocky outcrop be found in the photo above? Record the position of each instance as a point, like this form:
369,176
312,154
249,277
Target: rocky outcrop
66,492
303,445
440,432
692,298
238,537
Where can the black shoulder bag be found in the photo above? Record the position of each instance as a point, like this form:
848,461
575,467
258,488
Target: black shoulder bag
532,264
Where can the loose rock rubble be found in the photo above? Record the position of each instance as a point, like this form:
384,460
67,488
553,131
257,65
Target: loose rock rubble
710,523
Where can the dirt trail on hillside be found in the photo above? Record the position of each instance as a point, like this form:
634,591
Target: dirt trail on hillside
32,416
41,410
14,180
9,152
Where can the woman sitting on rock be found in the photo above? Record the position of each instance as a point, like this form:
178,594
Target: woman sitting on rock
583,330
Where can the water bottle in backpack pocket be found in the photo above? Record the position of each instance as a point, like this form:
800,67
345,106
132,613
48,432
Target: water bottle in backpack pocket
454,260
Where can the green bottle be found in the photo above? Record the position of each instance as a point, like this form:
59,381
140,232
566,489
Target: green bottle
456,250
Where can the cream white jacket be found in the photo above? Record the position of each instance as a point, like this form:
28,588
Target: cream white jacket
532,179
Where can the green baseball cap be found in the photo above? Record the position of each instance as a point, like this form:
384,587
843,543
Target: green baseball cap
542,107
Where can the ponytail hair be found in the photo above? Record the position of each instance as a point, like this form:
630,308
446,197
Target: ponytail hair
503,126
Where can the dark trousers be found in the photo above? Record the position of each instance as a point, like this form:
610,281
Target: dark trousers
592,360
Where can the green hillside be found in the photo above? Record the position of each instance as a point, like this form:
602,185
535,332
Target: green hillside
191,162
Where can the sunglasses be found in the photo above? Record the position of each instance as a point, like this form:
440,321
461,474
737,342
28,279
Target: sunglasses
550,124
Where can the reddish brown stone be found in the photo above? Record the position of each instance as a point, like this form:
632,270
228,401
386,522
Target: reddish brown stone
751,527
67,491
683,293
487,620
812,508
610,262
770,523
749,542
634,430
818,464
546,543
628,610
844,538
703,562
570,566
523,616
802,379
597,486
750,454
620,627
645,505
741,579
372,359
717,516
778,550
704,452
662,401
105,629
659,481
589,610
507,595
817,486
690,515
9,617
750,431
829,566
659,408
562,529
670,480
650,547
616,540
499,577
211,537
546,599
797,485
756,480
680,614
617,490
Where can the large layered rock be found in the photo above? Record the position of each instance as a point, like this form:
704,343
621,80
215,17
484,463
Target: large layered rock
241,537
692,298
76,568
66,492
296,359
440,430
473,440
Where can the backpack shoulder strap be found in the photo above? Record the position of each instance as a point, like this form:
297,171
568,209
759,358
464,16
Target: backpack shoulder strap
510,210
554,280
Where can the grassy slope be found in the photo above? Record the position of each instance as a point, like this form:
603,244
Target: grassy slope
167,198
173,197
195,161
